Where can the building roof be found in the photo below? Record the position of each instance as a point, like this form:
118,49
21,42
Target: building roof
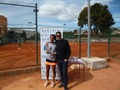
1,16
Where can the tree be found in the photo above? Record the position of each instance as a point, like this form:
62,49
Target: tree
75,31
101,18
11,34
82,19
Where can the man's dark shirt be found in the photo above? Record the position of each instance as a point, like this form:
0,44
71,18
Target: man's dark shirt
62,49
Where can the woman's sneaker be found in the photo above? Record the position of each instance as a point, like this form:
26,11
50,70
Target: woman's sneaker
46,83
52,85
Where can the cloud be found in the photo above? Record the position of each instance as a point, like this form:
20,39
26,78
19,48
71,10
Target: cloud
64,10
52,12
116,17
59,10
101,1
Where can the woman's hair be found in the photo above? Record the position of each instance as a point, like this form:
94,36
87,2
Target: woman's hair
53,36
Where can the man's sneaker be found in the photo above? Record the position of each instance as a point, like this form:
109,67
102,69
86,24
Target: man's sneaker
61,85
65,88
52,85
46,83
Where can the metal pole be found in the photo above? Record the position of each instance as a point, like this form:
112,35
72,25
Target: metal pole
30,23
36,38
79,42
65,31
17,5
88,51
108,42
30,29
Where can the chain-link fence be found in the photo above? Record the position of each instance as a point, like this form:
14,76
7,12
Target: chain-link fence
18,36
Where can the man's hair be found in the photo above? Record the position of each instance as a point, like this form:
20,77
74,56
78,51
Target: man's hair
58,32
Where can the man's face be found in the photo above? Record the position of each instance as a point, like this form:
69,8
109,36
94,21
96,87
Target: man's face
58,36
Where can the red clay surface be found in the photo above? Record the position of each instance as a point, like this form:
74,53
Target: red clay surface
102,79
11,57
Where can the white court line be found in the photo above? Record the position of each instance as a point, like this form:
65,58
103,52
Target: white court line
31,49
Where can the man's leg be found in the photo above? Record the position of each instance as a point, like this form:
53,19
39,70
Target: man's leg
65,74
60,69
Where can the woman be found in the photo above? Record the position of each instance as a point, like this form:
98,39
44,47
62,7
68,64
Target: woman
51,59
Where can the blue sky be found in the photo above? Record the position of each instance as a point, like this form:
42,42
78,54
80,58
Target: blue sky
53,12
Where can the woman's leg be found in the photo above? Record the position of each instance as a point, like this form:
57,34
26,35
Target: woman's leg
47,75
47,72
54,72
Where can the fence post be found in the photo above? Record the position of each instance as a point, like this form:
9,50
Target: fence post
36,38
79,54
108,42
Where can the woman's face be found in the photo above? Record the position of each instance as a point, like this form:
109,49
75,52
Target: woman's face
51,38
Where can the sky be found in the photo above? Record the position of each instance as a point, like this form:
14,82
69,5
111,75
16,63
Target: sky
54,13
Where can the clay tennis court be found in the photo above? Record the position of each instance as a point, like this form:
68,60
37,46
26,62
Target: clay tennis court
12,58
103,79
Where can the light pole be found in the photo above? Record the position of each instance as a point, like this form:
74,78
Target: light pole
30,23
65,30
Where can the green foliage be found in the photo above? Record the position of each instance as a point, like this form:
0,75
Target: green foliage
82,19
101,18
69,35
32,37
75,31
10,34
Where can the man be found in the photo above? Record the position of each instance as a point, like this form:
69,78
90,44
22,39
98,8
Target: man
63,53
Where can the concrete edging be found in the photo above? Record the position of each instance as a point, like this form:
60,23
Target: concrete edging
19,71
